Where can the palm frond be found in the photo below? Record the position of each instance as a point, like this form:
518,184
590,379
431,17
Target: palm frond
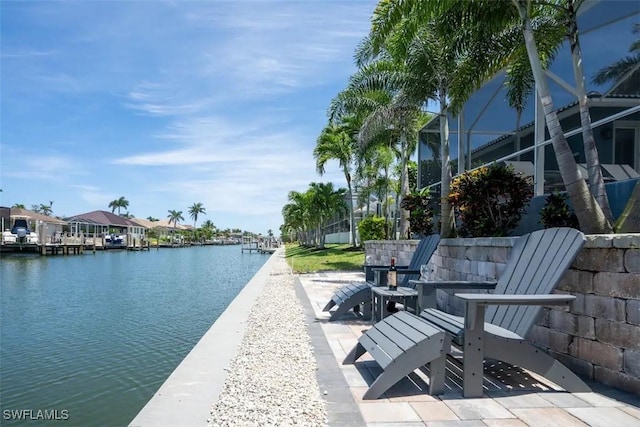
628,67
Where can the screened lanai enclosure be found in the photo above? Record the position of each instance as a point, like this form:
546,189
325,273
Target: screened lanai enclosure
487,130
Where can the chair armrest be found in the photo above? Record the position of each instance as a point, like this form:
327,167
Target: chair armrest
454,284
475,304
502,299
386,267
370,269
407,271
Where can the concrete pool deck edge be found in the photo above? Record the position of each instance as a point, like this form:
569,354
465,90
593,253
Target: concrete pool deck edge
186,397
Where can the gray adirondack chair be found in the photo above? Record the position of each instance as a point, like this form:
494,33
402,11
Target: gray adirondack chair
356,293
537,263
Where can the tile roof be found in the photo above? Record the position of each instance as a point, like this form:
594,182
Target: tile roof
19,212
103,218
163,223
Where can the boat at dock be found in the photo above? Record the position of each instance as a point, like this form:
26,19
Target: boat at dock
19,238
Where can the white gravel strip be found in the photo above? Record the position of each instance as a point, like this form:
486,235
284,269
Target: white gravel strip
272,380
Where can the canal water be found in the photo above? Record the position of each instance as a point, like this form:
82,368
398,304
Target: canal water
90,338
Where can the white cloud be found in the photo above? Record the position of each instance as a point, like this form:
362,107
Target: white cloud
43,167
12,53
172,103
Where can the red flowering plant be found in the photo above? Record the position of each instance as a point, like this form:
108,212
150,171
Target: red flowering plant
489,201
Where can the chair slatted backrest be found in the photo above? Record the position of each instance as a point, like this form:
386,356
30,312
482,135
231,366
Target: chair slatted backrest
537,263
422,255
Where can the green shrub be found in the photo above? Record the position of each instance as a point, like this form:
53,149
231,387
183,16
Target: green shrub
489,201
556,212
372,228
420,212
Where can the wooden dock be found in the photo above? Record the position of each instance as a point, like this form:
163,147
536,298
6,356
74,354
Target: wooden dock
251,244
71,245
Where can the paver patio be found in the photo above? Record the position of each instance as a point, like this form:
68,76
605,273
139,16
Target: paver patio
512,397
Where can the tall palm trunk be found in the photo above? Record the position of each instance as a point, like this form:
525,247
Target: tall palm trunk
404,187
352,216
446,213
590,216
386,205
596,182
320,242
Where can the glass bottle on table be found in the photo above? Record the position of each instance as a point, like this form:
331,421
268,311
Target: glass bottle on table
392,281
392,276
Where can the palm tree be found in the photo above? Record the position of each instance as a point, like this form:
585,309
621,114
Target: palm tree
352,106
553,24
195,210
113,205
484,20
375,87
431,61
590,215
45,209
325,202
118,204
208,224
298,216
175,217
624,73
569,15
336,143
372,168
18,206
152,219
208,228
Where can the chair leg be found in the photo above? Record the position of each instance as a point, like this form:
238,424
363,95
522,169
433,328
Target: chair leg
367,309
355,353
438,369
527,356
384,382
341,310
431,350
329,305
363,295
397,371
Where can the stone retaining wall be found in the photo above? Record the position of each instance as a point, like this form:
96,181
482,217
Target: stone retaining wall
599,337
380,252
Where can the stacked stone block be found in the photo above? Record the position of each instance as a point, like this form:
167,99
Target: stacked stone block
381,251
468,259
599,337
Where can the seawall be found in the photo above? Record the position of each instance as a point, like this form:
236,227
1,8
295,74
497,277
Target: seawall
186,396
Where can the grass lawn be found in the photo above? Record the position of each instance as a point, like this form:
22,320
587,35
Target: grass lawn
333,257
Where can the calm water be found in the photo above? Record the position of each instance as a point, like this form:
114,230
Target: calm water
97,334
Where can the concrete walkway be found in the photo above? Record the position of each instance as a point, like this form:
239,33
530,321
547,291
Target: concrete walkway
535,403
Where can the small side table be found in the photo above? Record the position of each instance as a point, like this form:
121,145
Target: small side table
380,296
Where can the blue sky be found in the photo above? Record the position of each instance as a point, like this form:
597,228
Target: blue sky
171,103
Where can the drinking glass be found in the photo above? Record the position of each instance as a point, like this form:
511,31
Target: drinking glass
424,272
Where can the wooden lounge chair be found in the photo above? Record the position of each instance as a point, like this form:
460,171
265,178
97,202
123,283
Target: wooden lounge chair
537,263
357,293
